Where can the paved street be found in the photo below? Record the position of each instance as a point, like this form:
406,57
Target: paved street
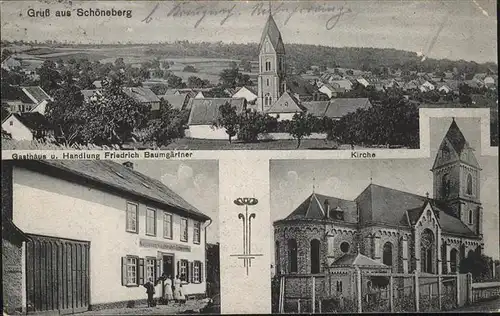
488,306
192,306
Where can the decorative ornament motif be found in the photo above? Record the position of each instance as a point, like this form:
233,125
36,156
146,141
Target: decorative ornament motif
246,219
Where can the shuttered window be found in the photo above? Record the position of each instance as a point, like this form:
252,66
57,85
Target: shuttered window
132,271
151,269
183,269
197,272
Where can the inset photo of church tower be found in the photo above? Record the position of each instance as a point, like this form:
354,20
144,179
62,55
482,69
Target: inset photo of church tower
400,235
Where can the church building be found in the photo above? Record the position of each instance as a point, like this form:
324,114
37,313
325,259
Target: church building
400,230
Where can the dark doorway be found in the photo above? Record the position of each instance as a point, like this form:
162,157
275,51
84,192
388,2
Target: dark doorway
168,265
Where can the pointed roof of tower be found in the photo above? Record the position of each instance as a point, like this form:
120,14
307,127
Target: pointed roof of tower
271,30
456,139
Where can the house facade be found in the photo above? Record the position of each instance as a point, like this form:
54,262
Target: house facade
27,126
400,230
97,232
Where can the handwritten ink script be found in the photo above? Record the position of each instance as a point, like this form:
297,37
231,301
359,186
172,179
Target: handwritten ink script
201,11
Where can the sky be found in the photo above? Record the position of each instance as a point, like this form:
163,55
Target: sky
196,181
454,29
292,180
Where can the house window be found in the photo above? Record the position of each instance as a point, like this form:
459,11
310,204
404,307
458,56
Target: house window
150,222
196,232
339,286
197,272
167,225
11,123
268,65
292,255
469,184
132,218
183,270
131,266
151,269
387,254
471,219
184,229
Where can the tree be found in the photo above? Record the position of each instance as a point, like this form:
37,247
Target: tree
231,78
174,82
196,82
159,89
252,123
111,116
246,65
166,126
301,126
228,119
64,113
119,63
189,68
49,76
479,265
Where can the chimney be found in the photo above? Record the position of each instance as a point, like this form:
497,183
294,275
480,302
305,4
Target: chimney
129,164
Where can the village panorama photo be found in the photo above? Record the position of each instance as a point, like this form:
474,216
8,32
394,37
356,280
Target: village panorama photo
386,236
108,237
225,75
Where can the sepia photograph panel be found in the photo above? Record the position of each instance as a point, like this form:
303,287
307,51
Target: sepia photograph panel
405,235
224,75
103,237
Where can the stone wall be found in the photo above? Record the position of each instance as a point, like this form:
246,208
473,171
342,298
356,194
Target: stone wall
12,276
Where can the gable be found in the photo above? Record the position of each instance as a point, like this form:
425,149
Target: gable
285,104
446,154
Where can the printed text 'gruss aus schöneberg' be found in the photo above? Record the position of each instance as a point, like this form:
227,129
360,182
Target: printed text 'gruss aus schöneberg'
80,12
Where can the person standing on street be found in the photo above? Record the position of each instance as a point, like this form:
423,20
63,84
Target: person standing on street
150,290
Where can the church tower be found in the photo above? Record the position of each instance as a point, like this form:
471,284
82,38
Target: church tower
271,82
456,178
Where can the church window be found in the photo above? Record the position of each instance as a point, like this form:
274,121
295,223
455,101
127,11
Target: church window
344,247
445,185
339,286
469,184
387,254
315,256
453,260
268,65
427,250
268,47
428,214
267,99
286,103
471,220
292,255
268,82
444,259
277,257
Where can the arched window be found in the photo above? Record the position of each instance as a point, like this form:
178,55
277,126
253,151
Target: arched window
268,82
469,184
339,286
453,260
315,256
277,257
387,254
427,250
268,65
445,185
471,218
344,247
444,259
267,99
268,47
292,255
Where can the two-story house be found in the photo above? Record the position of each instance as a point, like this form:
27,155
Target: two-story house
88,234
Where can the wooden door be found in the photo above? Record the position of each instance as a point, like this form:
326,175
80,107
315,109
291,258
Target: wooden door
57,275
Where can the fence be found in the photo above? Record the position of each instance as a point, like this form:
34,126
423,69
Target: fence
485,291
355,291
